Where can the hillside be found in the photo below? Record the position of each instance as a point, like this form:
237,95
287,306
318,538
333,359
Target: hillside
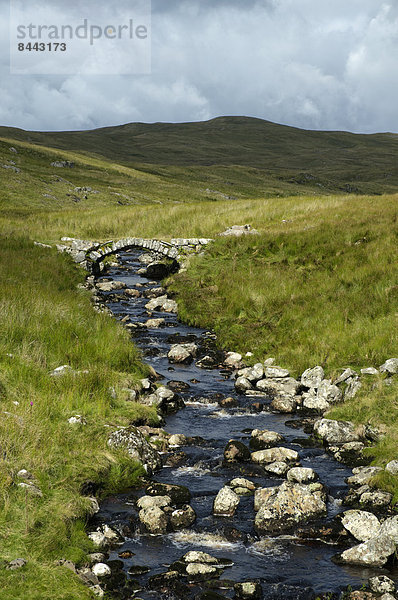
233,157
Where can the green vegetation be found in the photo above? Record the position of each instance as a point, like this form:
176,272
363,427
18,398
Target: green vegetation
46,322
317,285
320,290
224,158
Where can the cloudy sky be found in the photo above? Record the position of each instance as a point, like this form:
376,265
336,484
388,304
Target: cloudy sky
316,64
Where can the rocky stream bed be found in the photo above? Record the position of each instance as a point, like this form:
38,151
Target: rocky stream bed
250,492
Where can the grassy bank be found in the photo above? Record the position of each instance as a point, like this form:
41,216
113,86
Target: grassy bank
319,289
46,322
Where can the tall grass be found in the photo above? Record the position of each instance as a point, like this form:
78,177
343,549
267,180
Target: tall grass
45,322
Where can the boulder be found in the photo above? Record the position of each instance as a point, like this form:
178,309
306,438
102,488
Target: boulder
182,353
353,387
370,371
132,293
381,585
242,487
253,374
248,590
361,524
176,440
279,469
200,572
262,439
279,385
195,556
162,303
154,323
272,455
15,564
375,499
363,475
312,378
137,447
242,385
392,467
238,231
390,527
275,372
236,451
154,519
101,570
179,494
182,517
233,359
301,475
373,553
335,432
226,502
284,403
345,376
153,501
390,366
282,507
110,286
314,402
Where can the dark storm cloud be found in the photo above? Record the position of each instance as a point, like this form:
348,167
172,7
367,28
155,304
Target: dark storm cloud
309,63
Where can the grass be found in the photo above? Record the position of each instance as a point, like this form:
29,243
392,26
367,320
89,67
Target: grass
45,322
319,290
317,285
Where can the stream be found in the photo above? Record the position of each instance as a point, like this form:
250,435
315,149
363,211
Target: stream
285,566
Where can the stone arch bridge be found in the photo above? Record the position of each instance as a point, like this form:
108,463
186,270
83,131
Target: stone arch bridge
90,255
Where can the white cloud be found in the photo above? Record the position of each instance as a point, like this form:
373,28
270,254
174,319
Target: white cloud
308,63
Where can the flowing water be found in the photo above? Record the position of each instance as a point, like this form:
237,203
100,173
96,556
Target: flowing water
285,566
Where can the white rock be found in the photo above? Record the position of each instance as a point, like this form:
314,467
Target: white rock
392,467
275,371
301,475
370,371
62,370
276,468
195,556
226,502
312,378
346,374
176,440
271,455
336,432
151,501
363,475
233,359
374,552
390,366
97,591
77,420
381,585
101,570
390,527
361,524
182,353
